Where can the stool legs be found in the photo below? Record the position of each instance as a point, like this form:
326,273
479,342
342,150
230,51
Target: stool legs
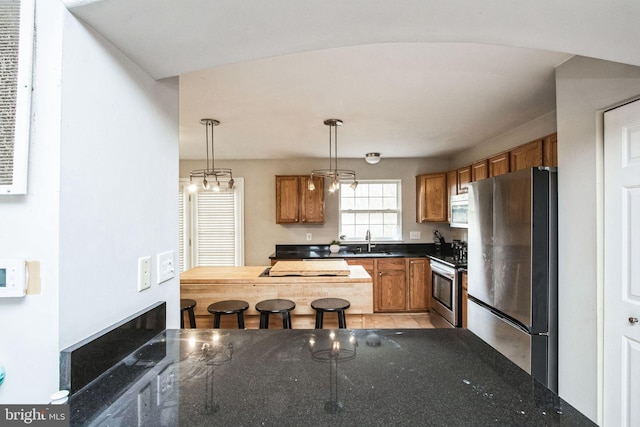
216,320
286,320
192,318
319,316
241,320
264,320
342,321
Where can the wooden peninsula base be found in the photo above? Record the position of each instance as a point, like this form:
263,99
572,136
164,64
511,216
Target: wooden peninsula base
207,285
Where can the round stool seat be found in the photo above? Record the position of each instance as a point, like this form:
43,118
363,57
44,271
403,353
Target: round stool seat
187,305
270,306
228,307
330,304
337,305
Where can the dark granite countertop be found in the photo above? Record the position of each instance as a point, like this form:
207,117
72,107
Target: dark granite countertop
358,251
440,377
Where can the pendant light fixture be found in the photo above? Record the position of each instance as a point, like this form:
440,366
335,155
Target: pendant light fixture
334,174
210,175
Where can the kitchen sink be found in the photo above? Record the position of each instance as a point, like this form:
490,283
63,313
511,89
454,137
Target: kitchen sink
374,254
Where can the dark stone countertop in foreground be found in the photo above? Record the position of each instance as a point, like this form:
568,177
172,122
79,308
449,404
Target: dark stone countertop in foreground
438,377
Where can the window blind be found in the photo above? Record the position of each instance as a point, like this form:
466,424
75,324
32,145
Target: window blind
215,229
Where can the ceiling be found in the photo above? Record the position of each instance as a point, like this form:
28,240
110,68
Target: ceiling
409,79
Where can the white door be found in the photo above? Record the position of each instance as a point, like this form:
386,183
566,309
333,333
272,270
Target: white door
622,266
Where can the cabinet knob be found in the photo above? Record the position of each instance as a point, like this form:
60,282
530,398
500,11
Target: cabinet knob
633,320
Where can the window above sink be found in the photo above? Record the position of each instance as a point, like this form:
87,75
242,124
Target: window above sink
375,205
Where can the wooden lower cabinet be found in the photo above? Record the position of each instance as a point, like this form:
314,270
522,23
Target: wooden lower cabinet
399,284
391,284
419,280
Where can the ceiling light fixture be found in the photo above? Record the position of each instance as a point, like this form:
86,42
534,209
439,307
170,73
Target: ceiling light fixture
372,158
210,172
334,174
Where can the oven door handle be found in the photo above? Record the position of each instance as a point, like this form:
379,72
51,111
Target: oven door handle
443,272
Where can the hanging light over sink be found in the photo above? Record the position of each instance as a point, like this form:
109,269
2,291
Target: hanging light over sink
334,174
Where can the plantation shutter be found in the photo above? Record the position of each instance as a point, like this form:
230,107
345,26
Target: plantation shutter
16,50
216,229
181,227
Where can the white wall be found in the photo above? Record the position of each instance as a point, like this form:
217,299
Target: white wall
535,129
119,174
29,229
584,87
103,167
261,231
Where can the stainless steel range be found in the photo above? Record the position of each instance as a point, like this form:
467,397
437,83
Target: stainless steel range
445,293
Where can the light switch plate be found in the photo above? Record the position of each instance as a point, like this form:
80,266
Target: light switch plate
414,235
144,273
165,266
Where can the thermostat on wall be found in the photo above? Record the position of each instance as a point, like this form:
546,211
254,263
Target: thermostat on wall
13,277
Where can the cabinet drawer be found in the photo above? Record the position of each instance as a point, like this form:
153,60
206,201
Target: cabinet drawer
392,264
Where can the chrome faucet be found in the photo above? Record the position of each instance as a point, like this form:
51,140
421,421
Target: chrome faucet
367,237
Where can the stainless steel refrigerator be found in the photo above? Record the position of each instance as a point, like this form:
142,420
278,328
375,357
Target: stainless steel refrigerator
512,263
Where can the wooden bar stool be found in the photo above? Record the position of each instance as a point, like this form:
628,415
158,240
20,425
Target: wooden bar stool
187,305
270,306
228,307
337,305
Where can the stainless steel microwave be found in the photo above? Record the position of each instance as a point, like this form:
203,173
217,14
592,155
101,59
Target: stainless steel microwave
459,211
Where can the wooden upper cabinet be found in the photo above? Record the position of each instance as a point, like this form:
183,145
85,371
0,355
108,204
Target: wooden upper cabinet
295,203
464,178
431,197
526,156
499,164
550,150
479,170
312,201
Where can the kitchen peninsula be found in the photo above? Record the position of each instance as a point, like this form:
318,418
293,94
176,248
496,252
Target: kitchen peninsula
253,284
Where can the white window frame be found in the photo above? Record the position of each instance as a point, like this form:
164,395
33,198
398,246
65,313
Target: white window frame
346,188
190,223
22,123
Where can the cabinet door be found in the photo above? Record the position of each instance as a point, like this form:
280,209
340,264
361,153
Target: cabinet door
287,199
499,164
526,156
465,299
311,201
419,281
464,178
479,170
431,197
550,147
391,285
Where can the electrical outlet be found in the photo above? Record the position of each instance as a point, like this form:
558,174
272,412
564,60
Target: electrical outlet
165,267
166,383
144,273
414,235
144,405
309,236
